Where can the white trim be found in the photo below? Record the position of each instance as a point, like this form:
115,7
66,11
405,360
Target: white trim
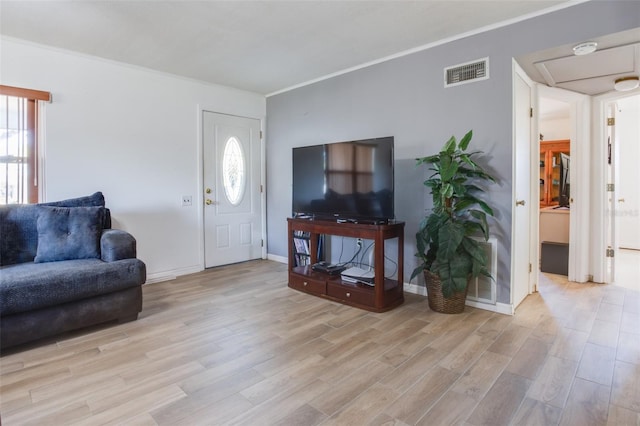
199,199
277,258
415,289
534,205
500,308
580,171
172,274
427,46
598,189
505,308
160,277
42,149
263,183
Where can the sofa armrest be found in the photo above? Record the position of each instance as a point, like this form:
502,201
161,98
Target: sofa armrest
116,244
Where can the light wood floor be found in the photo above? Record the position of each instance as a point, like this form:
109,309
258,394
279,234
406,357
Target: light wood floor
234,345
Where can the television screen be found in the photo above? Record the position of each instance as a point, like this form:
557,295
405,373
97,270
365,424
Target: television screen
344,180
565,184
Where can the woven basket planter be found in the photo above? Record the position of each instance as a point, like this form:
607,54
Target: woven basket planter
437,302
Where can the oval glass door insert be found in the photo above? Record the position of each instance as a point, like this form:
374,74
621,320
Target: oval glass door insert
233,171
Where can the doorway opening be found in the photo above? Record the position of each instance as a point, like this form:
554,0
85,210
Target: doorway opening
554,127
588,92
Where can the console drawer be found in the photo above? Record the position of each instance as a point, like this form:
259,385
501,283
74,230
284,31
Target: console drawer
309,285
361,296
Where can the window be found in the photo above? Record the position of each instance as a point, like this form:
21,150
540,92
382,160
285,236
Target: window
233,175
18,144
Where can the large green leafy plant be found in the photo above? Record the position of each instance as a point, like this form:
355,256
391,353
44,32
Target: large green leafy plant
445,239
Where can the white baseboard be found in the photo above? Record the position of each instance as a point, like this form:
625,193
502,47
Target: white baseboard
505,308
415,289
501,308
277,258
171,275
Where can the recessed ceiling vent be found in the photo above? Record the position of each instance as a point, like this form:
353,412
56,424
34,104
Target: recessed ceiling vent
466,73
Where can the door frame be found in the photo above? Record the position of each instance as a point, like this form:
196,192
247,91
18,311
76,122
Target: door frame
581,108
199,199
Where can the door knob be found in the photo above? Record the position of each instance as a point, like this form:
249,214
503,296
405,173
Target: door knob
520,203
208,190
208,202
621,200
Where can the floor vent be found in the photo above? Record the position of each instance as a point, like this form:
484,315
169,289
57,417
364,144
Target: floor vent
483,289
466,73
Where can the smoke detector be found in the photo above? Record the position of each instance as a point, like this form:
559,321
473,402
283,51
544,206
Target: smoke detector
585,48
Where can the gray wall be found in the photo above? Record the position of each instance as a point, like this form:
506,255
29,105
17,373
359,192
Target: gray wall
405,98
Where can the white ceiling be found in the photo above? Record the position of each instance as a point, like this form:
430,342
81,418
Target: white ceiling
261,46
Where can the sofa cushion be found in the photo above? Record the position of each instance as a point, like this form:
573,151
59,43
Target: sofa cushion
66,233
94,200
18,227
30,286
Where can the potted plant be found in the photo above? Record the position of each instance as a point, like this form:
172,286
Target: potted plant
449,254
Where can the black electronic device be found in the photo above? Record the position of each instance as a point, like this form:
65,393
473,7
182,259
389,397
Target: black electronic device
345,180
327,268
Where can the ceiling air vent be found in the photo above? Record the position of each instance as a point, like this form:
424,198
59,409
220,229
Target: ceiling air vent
466,73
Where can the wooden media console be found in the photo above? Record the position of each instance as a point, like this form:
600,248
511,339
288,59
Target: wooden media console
385,294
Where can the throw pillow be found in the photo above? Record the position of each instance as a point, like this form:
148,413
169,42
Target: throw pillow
66,233
94,200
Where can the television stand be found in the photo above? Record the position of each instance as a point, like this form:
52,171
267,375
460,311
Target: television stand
384,295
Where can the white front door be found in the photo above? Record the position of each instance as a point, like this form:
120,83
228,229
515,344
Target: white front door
232,189
521,217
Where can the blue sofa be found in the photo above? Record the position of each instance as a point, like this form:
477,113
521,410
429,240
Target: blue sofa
62,268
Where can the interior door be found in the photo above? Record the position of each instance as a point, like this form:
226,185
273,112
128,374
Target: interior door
521,216
627,194
232,200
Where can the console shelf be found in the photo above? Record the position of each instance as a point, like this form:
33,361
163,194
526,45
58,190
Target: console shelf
384,295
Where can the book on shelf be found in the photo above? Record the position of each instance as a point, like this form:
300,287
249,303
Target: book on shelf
301,234
302,246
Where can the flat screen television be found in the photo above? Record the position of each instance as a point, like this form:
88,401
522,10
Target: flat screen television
345,180
565,184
